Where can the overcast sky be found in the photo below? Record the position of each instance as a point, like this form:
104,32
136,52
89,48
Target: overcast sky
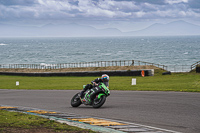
125,15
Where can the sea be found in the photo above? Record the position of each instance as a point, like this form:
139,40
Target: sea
164,50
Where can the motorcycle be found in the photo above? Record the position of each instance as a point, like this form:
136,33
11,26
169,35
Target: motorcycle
94,97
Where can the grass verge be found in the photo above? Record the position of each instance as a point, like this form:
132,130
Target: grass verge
15,122
187,82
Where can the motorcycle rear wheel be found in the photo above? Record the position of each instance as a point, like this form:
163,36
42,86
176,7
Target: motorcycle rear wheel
76,101
99,102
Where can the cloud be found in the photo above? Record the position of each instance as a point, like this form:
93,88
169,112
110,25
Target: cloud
176,1
17,2
195,4
156,2
97,10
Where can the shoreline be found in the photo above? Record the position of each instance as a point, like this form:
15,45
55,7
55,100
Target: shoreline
78,69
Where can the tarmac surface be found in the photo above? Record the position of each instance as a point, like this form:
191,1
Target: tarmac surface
177,111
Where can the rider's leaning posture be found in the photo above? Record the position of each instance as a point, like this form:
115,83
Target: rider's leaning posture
104,79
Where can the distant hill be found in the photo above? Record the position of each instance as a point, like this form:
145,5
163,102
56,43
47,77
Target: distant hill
68,30
170,29
76,30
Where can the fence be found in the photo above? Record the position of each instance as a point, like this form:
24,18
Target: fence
183,68
179,68
172,68
193,66
82,64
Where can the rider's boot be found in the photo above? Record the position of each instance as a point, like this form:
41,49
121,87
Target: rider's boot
81,94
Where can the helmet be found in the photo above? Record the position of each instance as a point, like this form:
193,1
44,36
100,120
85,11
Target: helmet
105,77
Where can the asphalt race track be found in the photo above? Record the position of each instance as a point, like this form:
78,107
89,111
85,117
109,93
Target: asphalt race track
177,111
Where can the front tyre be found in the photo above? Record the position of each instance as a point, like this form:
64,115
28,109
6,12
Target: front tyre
76,101
99,102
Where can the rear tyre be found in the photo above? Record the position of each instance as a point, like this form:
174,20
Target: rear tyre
99,102
76,101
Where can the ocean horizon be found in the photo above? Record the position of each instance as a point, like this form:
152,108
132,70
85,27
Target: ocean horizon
164,50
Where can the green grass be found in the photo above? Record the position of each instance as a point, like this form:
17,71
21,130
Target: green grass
174,82
61,83
189,82
12,121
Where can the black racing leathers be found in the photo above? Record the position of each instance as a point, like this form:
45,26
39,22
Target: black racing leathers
99,80
90,86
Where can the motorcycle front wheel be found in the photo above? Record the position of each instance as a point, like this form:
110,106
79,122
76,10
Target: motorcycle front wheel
76,101
99,102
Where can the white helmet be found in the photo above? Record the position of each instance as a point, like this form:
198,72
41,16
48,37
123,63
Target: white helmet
105,77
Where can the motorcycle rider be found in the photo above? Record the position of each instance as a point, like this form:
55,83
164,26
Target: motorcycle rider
104,79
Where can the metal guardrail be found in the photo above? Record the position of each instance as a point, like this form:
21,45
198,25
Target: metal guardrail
193,66
82,64
172,68
179,68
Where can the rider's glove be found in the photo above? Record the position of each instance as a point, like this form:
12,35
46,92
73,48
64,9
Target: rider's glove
95,84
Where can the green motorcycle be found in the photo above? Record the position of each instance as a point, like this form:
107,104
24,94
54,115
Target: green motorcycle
94,97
